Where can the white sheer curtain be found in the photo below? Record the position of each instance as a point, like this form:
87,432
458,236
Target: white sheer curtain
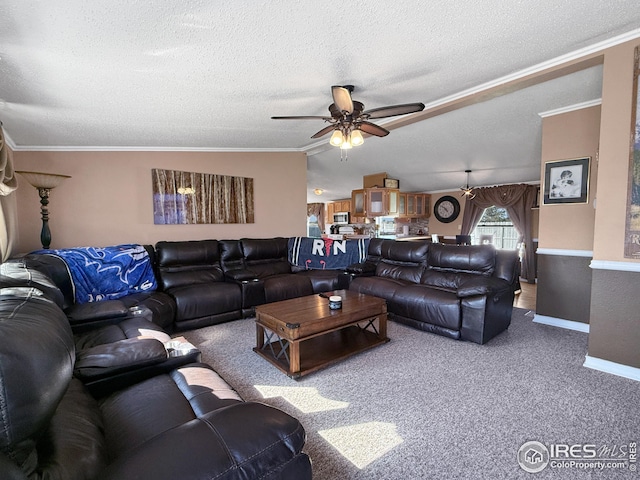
8,208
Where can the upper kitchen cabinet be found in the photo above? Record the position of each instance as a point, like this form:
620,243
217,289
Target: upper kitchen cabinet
414,205
339,206
375,202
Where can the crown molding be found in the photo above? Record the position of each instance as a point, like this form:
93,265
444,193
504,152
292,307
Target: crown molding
571,108
150,149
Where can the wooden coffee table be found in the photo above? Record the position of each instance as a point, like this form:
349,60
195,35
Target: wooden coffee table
302,335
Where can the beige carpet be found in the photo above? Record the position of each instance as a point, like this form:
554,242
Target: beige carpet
424,406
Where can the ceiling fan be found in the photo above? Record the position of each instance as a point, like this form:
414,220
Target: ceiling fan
467,191
349,118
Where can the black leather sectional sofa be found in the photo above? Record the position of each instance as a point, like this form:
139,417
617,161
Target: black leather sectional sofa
89,390
459,291
153,416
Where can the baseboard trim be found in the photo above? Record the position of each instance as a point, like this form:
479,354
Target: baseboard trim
561,323
613,368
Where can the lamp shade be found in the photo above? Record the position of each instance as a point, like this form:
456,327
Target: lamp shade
356,138
336,138
43,180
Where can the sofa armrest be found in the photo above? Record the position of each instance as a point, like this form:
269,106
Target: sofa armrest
117,357
243,440
241,275
481,285
92,312
362,269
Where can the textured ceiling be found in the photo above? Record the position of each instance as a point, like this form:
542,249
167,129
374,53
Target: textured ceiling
209,75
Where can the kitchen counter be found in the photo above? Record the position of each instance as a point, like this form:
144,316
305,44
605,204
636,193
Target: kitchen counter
412,238
347,236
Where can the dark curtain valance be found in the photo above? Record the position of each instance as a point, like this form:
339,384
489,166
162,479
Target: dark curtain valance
518,201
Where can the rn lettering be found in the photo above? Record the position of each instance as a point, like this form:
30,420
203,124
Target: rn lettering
337,245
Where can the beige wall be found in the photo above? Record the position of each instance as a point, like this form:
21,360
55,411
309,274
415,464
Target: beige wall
614,333
108,200
565,136
440,228
455,227
615,134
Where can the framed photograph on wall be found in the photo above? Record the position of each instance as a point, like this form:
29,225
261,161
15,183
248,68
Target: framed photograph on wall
566,181
391,183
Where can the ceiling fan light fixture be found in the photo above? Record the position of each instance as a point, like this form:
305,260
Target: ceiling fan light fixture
356,138
348,118
346,145
336,138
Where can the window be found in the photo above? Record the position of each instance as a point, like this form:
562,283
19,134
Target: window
496,227
313,229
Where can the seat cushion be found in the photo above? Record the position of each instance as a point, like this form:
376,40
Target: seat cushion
141,412
286,286
430,305
204,300
377,286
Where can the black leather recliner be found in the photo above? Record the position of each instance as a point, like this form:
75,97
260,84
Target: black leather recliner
190,272
114,352
187,423
460,291
89,316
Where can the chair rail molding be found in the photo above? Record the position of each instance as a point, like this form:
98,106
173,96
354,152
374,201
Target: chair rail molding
563,252
617,266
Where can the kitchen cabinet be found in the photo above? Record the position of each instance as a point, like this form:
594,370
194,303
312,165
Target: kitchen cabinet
336,207
375,202
414,205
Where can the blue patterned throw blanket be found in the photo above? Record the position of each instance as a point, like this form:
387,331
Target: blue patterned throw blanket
325,253
107,273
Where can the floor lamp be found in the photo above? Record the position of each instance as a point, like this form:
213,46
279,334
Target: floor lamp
44,182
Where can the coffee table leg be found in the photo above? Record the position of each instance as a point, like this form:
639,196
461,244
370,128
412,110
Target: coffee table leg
294,357
259,336
382,325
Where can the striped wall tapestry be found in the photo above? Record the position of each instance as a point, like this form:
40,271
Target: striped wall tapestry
632,227
190,198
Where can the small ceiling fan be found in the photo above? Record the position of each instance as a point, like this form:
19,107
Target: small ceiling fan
467,191
349,118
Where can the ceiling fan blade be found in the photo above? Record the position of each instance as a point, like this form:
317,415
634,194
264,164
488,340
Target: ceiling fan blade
324,131
373,129
302,117
342,98
394,110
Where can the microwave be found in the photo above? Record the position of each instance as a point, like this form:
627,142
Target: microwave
341,218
